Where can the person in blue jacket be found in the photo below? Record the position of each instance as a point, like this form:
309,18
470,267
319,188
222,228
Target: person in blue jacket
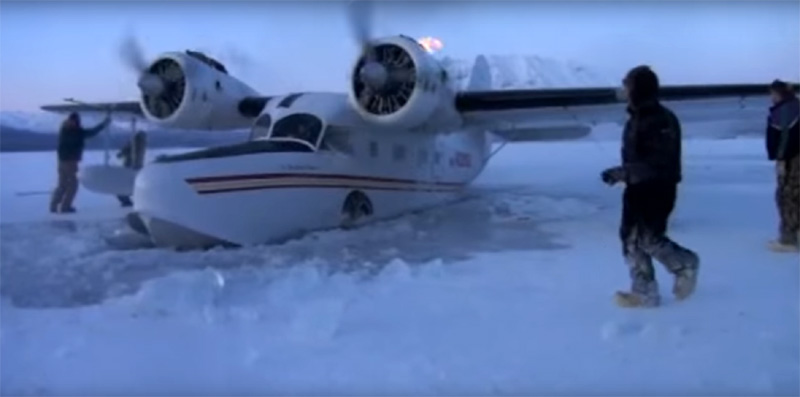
783,147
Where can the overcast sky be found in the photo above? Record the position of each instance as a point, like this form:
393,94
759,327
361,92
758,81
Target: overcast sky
55,49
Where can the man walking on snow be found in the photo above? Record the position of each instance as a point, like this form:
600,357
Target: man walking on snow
651,172
783,147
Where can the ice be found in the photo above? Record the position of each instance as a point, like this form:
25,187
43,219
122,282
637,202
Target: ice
508,292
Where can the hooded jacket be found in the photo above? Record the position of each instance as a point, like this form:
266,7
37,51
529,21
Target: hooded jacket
651,140
783,133
72,138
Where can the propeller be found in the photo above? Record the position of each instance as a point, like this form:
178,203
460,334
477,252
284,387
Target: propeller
360,13
133,58
132,55
377,71
161,82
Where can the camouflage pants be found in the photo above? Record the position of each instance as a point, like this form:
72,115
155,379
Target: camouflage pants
645,214
787,198
67,188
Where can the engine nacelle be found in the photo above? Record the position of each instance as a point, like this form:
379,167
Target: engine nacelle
421,98
196,92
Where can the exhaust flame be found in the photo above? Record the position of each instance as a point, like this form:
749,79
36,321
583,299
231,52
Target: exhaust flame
431,44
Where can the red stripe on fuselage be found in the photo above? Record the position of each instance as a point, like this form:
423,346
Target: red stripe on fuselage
250,182
310,186
242,177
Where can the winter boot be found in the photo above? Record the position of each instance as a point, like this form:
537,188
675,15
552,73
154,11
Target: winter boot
686,278
788,242
633,299
778,246
685,283
643,294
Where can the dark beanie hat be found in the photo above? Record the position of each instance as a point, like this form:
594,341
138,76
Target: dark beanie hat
778,85
643,83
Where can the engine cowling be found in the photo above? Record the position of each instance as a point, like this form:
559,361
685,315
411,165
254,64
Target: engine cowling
196,93
420,95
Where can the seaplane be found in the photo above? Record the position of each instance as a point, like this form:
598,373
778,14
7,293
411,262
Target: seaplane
399,139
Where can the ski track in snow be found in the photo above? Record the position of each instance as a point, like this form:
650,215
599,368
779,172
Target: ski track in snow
509,292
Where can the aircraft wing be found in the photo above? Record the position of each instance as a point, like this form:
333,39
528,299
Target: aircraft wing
129,107
249,106
543,133
517,109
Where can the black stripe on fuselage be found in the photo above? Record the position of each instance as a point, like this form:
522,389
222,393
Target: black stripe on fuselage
253,106
289,100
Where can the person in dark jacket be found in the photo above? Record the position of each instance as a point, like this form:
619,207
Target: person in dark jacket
132,155
71,141
783,147
651,172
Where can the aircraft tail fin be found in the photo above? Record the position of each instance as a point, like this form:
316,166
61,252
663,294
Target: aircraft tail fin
481,75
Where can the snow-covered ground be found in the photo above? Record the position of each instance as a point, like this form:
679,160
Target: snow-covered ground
506,293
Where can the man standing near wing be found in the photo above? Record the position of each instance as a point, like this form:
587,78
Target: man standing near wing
71,142
651,171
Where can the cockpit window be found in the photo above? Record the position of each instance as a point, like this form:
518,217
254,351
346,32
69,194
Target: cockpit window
261,127
302,126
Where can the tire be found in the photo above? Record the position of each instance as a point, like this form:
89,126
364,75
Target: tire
356,208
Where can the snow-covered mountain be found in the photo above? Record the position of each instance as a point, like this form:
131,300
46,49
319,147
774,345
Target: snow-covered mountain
529,71
46,122
507,72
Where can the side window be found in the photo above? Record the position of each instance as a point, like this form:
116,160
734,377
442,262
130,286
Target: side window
437,157
337,140
373,149
422,157
399,153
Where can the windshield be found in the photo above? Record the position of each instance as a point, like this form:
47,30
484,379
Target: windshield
302,126
261,127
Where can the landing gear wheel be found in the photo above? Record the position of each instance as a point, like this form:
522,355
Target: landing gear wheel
356,208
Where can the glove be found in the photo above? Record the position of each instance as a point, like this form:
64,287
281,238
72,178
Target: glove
613,175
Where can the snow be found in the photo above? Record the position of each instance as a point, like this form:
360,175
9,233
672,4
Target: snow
519,72
509,292
529,71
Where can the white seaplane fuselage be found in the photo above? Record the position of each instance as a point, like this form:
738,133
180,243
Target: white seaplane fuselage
287,181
